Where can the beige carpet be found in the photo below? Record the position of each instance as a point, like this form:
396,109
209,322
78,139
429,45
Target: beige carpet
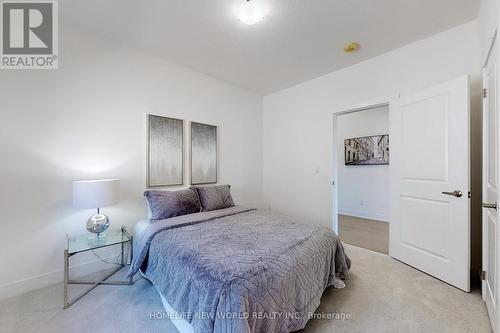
383,295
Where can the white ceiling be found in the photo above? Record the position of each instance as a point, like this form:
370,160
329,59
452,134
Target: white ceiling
298,40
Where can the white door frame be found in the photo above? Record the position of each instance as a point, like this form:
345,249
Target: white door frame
355,108
493,312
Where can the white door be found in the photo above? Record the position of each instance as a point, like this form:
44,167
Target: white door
490,186
429,137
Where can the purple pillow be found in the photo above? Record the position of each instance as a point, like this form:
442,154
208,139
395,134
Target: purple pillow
214,197
167,204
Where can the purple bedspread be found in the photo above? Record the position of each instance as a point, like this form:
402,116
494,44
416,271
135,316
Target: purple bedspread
241,270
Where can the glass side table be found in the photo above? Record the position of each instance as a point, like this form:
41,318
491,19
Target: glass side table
85,243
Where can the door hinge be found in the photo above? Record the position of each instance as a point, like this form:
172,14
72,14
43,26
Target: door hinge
485,93
468,194
483,275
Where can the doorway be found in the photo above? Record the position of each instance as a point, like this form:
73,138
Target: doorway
363,181
429,227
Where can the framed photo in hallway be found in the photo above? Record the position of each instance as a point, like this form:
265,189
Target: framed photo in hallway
367,150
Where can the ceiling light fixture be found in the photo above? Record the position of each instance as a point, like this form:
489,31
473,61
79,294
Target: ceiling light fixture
251,11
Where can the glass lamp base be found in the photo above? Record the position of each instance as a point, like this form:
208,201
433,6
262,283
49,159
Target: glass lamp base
97,224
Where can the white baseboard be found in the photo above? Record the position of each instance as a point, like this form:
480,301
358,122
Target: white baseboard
48,279
364,215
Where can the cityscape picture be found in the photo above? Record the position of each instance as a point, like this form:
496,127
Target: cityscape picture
368,150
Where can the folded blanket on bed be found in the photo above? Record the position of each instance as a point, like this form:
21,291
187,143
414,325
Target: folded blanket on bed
241,270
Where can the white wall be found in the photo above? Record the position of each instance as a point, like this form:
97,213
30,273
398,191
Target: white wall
488,23
363,190
298,121
88,120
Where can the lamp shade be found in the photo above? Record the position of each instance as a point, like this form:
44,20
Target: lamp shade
95,193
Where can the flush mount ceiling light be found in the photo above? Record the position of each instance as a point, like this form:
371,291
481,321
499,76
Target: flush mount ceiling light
251,11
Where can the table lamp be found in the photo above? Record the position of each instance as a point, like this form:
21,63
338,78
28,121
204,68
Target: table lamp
96,194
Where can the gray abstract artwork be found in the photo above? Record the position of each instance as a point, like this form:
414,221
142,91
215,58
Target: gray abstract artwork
165,153
203,154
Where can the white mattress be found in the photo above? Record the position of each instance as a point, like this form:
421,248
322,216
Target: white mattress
182,325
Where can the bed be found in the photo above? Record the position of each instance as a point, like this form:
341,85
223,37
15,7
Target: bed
238,269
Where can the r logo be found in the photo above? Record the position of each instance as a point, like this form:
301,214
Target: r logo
27,28
29,34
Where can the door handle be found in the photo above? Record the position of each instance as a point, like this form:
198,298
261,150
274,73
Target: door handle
455,193
492,206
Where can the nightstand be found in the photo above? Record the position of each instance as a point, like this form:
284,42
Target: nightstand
86,243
